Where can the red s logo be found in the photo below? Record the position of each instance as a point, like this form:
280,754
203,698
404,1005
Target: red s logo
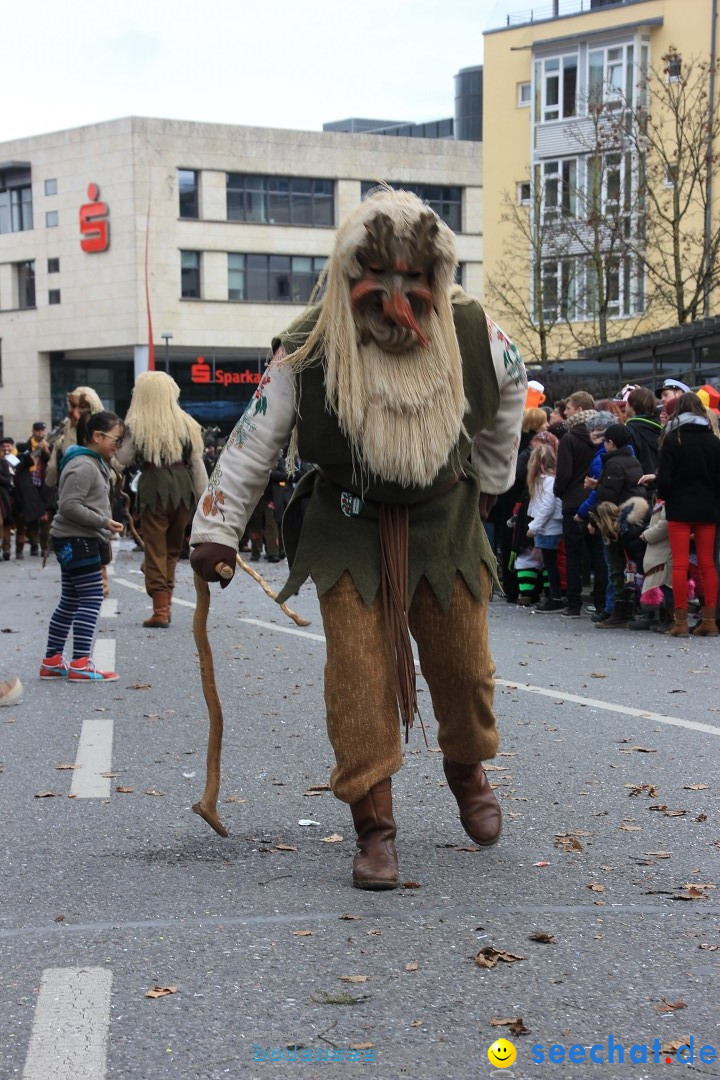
94,226
200,371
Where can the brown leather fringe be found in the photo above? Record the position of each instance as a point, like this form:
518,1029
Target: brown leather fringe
394,537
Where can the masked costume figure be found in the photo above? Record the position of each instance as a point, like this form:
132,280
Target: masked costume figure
408,402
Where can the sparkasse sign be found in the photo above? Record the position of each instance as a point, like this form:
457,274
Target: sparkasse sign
201,372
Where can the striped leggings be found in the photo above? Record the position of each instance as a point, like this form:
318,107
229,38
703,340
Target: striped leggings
79,607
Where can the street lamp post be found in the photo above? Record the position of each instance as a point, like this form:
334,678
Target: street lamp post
167,338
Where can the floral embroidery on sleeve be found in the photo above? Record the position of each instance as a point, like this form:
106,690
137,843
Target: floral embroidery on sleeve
514,366
213,503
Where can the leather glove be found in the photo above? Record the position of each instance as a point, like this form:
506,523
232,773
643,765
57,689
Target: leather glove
205,557
487,502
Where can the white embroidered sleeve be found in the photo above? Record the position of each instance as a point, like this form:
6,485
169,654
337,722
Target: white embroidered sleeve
494,450
243,468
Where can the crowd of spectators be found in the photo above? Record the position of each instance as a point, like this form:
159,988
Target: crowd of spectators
615,508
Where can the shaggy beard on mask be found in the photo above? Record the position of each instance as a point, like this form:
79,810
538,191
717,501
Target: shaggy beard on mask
407,412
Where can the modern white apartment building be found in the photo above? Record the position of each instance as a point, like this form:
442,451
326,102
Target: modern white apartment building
223,230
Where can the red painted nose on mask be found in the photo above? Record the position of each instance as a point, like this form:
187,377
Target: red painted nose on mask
399,310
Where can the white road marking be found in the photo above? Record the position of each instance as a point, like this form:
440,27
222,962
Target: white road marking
109,608
94,757
141,588
104,654
594,703
110,569
69,1035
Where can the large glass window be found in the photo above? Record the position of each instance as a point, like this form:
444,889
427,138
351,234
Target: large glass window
190,275
188,188
281,279
559,189
555,88
26,284
16,213
280,200
445,200
611,77
559,289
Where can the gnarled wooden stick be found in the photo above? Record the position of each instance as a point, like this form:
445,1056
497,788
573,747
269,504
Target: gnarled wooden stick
297,619
207,806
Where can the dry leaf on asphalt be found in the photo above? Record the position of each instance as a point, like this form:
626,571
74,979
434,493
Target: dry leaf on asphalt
411,885
140,686
125,790
361,1046
353,978
416,1023
660,854
310,794
161,991
302,933
696,787
595,887
47,795
710,948
283,847
514,1024
152,791
109,775
674,1046
412,966
489,957
597,675
319,787
68,766
639,749
637,789
669,1006
630,828
543,938
351,918
566,842
234,798
333,838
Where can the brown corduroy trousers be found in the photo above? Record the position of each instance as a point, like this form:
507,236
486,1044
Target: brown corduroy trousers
163,531
363,720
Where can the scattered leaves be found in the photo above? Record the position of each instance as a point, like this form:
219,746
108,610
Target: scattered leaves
333,838
514,1024
411,885
597,675
234,798
595,886
351,918
68,766
362,1046
353,978
660,854
125,790
302,933
140,686
630,828
412,966
161,991
47,795
338,999
637,789
639,749
489,957
696,787
283,847
543,938
669,1006
709,948
61,918
567,843
152,791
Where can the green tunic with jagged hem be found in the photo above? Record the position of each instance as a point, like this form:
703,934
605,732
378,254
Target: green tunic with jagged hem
330,527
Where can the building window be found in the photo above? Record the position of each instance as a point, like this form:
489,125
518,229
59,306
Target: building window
53,266
559,179
444,200
51,187
559,289
26,284
188,186
52,219
524,93
54,296
190,275
555,88
671,174
280,279
611,77
524,193
673,67
280,200
15,200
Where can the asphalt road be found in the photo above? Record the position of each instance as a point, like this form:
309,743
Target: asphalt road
608,778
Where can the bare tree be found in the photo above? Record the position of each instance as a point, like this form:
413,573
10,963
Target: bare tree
675,130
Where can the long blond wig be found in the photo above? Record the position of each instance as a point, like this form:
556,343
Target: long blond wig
348,389
158,426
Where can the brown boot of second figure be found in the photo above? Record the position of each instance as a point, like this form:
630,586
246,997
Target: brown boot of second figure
159,618
480,813
375,866
680,624
707,627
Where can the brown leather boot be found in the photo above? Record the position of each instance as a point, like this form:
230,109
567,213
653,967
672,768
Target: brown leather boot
480,813
707,627
679,627
170,596
375,866
159,618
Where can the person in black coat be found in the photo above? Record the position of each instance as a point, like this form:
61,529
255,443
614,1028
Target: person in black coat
689,482
643,428
575,454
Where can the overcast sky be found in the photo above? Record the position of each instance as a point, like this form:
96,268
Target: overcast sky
267,62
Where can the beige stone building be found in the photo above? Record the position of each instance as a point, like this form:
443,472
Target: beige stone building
237,221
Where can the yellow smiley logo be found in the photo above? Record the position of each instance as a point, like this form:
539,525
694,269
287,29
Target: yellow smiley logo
501,1054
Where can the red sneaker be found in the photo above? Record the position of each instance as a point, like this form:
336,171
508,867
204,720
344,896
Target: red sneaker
84,670
54,667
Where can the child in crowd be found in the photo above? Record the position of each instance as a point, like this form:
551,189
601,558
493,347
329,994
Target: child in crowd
545,524
82,524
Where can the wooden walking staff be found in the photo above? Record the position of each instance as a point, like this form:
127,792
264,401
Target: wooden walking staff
207,806
297,619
